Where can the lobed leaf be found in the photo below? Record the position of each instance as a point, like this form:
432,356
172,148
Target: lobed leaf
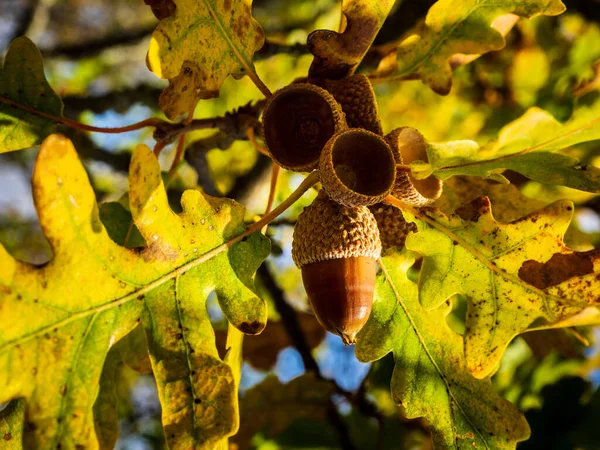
22,80
528,145
515,275
338,54
60,320
199,46
431,379
460,27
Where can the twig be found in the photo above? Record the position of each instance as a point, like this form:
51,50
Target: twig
272,48
91,48
119,101
26,19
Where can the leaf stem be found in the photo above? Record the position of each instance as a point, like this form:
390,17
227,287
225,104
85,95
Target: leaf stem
152,122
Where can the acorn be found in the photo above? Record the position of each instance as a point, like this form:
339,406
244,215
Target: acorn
336,247
356,96
357,168
393,228
298,120
409,145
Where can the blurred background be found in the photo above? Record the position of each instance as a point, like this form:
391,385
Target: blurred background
301,388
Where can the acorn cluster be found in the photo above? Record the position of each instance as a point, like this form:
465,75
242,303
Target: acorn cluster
335,129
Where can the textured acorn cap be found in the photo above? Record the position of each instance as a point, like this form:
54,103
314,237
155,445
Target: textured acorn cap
357,168
409,145
327,230
356,96
298,120
393,228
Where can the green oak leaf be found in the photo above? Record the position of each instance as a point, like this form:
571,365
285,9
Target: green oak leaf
529,145
515,276
199,46
460,27
60,320
430,378
22,80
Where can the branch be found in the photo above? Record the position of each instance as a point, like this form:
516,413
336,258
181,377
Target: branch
272,48
26,19
119,101
94,47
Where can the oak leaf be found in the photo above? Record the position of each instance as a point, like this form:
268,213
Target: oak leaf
430,378
338,54
22,80
200,45
60,320
530,145
516,276
460,27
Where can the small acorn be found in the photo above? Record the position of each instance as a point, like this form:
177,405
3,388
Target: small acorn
357,168
409,145
336,247
298,120
356,96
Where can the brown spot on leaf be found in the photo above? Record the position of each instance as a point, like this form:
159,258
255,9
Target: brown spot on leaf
474,210
7,437
252,328
558,269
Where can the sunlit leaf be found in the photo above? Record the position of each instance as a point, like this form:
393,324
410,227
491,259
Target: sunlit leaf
460,27
431,379
529,145
197,47
513,274
22,80
60,320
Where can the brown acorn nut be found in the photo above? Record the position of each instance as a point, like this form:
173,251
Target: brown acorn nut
357,168
356,96
336,247
298,120
409,145
393,228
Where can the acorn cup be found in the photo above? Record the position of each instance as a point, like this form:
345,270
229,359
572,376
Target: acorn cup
357,168
409,145
393,228
356,96
336,248
298,120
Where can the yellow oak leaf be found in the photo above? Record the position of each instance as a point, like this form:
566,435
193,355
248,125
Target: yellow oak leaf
199,46
60,320
516,275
